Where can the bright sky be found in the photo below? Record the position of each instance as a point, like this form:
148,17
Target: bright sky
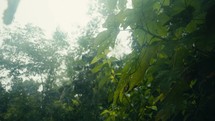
49,14
67,15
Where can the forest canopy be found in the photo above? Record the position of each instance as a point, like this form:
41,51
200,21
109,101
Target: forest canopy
167,76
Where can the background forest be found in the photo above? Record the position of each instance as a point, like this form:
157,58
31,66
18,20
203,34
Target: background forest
168,76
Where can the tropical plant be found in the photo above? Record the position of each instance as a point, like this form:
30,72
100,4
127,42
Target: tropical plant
168,76
165,76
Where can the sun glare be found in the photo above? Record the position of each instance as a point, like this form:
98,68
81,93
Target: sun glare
67,12
49,14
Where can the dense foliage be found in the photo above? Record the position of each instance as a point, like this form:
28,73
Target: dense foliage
168,76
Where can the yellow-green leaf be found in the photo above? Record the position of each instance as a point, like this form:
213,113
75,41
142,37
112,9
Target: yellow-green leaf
166,2
95,59
97,68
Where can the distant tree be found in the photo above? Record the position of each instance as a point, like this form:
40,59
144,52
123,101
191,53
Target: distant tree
34,69
3,102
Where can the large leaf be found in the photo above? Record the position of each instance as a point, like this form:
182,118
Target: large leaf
98,67
101,55
132,79
144,63
101,37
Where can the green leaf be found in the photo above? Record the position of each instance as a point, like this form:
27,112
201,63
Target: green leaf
137,3
166,2
192,83
145,58
152,107
163,18
112,4
122,4
75,102
101,37
140,35
113,21
98,67
132,75
102,82
159,98
179,32
157,6
105,112
162,55
96,59
161,30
